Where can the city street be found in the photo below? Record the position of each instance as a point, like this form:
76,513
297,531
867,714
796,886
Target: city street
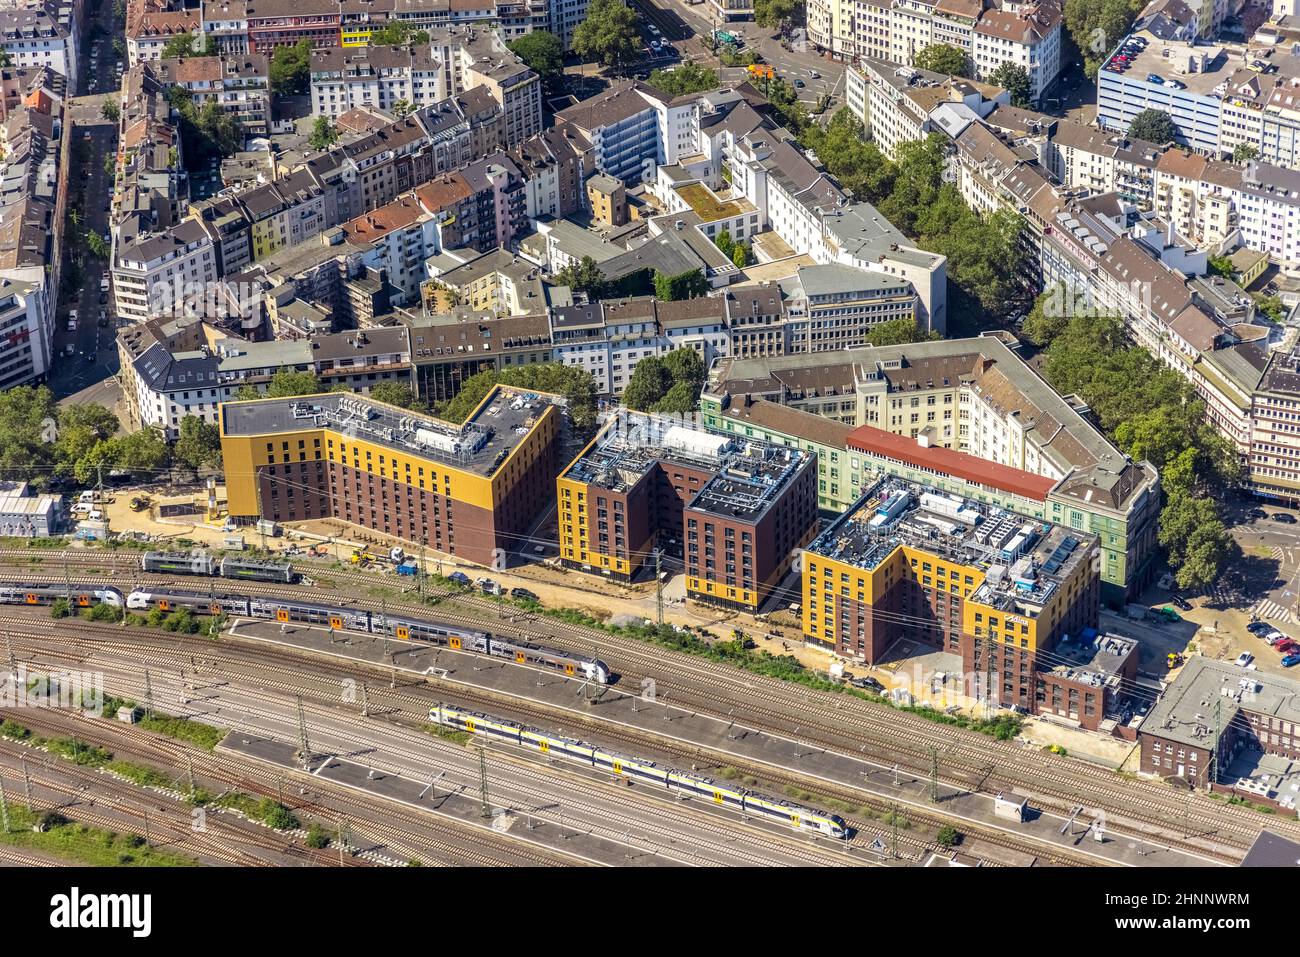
689,27
93,356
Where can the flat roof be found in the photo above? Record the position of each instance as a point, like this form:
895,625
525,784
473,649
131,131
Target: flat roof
746,477
478,446
1024,559
1185,713
867,438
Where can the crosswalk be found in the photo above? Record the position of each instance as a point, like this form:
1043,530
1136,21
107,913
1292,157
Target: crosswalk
1270,610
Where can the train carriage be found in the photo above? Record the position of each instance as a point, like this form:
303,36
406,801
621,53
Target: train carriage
251,569
80,596
171,599
177,563
282,610
522,652
408,629
782,812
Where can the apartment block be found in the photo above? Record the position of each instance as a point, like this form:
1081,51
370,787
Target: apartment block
739,509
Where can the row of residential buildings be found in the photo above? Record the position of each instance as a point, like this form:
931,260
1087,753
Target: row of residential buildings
1027,34
259,26
35,146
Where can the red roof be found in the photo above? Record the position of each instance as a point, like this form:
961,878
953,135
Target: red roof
867,438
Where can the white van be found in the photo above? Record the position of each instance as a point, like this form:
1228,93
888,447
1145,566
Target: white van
87,496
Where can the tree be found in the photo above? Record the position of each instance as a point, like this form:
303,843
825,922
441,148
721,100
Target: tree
609,33
291,69
1047,319
725,243
1269,307
770,13
850,157
542,51
1096,26
403,108
1155,126
1015,80
574,383
1243,152
198,445
948,836
80,427
143,451
897,332
27,445
740,255
220,130
687,78
395,33
686,285
323,134
394,393
1221,266
188,44
583,276
647,385
287,383
943,58
110,110
95,243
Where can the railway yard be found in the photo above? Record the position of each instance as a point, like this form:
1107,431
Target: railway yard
388,791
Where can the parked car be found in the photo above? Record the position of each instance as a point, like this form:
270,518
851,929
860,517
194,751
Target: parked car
799,84
1257,513
488,586
1283,517
1290,661
1244,659
1181,602
867,682
523,594
1155,78
460,578
1176,84
1286,646
1259,628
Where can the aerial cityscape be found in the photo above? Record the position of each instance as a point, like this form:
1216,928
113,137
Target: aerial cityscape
650,433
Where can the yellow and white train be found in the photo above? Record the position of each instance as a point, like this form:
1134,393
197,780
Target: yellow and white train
635,769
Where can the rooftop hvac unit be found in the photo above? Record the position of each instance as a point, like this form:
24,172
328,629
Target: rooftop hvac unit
695,443
438,440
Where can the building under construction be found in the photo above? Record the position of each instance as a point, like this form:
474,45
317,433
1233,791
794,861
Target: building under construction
739,508
471,490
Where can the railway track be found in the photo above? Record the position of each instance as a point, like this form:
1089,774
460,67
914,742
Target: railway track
438,844
968,760
412,707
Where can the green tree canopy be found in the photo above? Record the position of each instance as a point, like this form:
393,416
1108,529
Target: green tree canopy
1097,26
856,163
1155,126
1015,80
668,384
323,134
188,44
1243,152
897,332
198,444
396,33
943,58
394,393
686,285
684,79
542,51
291,69
584,277
770,13
283,385
648,384
609,34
